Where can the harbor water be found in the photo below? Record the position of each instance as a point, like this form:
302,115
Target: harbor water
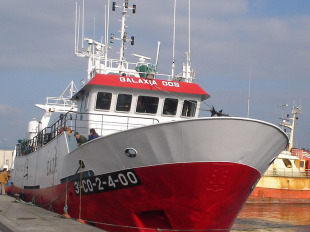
273,217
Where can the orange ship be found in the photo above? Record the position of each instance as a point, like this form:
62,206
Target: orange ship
287,179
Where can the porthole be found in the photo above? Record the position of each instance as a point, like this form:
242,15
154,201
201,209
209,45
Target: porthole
131,152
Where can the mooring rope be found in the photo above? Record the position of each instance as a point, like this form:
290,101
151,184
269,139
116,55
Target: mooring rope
57,198
80,206
195,230
176,230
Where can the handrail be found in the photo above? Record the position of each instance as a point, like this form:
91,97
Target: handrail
74,121
283,172
103,122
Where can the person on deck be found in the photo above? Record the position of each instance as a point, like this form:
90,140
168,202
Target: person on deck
92,134
80,139
3,179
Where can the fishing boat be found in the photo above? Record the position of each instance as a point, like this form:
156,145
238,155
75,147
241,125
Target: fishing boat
155,164
287,180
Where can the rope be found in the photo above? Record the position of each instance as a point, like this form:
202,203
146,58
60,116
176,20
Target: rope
66,200
158,229
80,187
24,202
57,198
197,230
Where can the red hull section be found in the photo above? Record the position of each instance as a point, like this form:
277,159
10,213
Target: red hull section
184,196
269,195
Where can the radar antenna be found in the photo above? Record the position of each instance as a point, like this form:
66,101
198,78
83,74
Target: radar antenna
141,58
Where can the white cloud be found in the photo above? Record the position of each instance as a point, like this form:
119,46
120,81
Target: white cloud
8,110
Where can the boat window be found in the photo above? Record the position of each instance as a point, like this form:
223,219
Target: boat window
147,104
123,102
302,164
103,100
86,102
82,102
287,163
189,108
170,106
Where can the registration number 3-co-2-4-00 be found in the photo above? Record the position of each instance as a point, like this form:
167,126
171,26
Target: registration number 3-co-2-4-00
106,182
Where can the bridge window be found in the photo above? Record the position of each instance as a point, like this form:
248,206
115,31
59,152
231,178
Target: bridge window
170,106
287,163
103,101
123,102
147,104
189,108
82,102
86,102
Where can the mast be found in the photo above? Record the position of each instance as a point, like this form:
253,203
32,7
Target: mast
106,39
97,52
291,125
123,36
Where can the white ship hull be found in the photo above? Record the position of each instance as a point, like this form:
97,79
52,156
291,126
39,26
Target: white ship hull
207,156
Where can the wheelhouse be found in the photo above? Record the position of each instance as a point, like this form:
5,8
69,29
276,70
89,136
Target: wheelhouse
132,102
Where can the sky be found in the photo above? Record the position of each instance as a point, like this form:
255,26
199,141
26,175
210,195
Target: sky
256,50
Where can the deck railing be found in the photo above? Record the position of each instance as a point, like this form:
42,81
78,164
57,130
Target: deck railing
74,121
282,172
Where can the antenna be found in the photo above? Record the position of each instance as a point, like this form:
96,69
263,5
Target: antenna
75,28
173,41
187,74
82,41
249,93
189,31
94,28
157,55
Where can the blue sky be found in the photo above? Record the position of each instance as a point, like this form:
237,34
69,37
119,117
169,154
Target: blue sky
228,39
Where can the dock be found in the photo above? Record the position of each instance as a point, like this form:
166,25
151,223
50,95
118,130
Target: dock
18,217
